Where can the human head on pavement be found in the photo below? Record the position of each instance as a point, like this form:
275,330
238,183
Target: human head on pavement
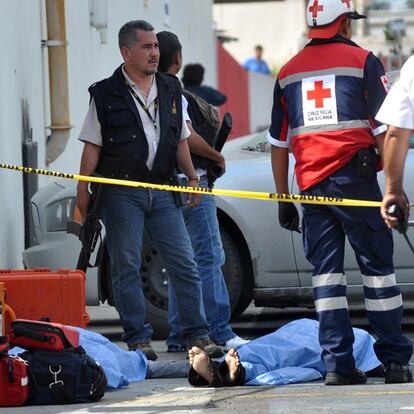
327,18
170,50
139,47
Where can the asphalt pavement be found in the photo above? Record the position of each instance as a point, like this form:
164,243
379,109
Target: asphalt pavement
176,396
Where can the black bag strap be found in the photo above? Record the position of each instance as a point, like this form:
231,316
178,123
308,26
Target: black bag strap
10,370
4,346
61,394
30,333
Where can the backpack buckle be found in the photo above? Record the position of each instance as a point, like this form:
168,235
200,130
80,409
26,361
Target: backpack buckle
55,374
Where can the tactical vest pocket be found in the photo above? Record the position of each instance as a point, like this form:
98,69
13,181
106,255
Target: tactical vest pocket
120,135
119,117
115,167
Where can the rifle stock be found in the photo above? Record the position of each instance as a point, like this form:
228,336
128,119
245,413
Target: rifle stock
213,171
90,231
224,131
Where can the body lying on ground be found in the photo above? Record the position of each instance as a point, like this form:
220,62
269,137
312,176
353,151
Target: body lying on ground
291,354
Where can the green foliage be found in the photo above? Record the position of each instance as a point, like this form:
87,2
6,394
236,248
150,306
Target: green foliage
389,37
275,69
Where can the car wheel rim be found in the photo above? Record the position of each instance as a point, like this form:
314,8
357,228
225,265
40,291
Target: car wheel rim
154,279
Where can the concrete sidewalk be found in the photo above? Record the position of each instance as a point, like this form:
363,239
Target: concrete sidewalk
176,396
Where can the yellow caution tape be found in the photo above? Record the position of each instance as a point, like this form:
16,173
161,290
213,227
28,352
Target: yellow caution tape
289,198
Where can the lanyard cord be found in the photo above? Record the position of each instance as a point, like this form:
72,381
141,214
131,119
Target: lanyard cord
143,106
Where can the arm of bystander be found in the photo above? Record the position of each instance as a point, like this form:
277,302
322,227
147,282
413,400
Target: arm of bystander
186,166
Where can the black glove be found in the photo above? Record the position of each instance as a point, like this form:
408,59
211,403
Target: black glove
289,216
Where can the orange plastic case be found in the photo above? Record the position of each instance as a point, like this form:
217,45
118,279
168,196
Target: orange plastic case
40,293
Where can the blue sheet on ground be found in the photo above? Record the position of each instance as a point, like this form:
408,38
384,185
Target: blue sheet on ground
121,367
292,354
289,355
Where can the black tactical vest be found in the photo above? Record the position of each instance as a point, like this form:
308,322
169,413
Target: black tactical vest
125,147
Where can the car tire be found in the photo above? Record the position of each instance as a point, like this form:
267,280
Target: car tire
236,275
155,283
154,286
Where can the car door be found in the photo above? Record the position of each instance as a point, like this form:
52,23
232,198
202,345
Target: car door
269,247
403,257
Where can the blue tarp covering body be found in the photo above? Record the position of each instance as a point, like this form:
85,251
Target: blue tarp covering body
289,355
292,354
121,367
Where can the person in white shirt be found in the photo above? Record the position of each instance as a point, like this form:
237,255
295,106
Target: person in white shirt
397,112
136,129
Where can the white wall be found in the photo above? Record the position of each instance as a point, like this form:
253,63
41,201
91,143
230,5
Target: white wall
20,79
260,100
23,76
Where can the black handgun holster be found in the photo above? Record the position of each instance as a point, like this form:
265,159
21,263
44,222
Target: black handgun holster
366,160
179,197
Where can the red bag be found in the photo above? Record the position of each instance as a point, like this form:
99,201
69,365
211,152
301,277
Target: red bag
14,378
43,335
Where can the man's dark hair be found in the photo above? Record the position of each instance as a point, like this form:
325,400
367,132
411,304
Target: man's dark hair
193,75
169,46
127,35
258,47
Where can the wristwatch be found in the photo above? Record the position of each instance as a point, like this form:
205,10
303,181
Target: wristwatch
194,178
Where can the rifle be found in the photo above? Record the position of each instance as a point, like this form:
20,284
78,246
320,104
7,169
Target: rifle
90,231
224,131
213,172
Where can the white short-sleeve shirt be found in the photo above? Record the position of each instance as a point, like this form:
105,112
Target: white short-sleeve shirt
398,107
91,128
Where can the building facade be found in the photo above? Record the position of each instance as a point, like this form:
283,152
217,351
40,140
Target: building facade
39,91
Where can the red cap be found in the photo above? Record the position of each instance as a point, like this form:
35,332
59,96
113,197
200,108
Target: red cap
328,31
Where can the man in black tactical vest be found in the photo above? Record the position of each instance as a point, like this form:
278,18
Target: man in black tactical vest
201,221
135,129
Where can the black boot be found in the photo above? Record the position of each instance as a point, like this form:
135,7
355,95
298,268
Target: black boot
396,373
355,377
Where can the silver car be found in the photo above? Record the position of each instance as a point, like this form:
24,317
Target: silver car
263,261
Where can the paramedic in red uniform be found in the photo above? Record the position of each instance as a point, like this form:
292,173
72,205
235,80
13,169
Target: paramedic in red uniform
325,102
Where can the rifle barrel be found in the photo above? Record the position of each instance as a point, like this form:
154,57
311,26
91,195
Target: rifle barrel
224,131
